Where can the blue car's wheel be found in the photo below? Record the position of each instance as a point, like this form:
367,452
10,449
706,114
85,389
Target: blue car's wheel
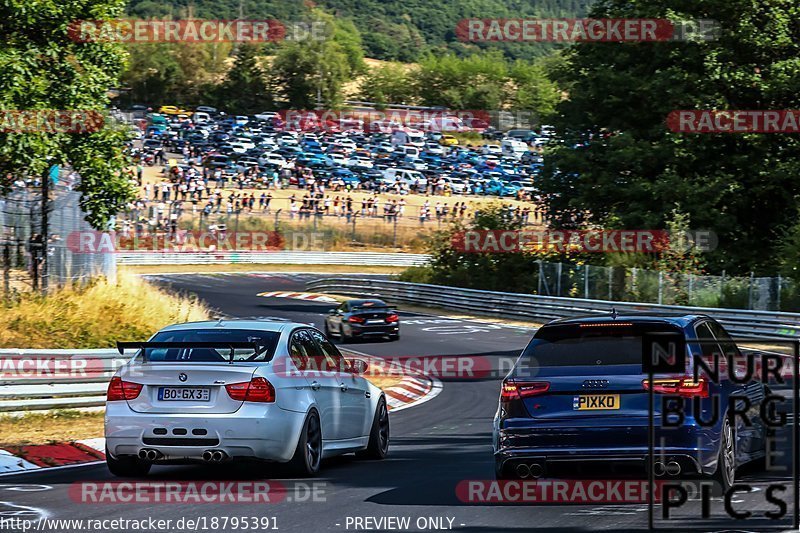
726,463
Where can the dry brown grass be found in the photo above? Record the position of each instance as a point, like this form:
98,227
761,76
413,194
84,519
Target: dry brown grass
47,428
413,201
94,316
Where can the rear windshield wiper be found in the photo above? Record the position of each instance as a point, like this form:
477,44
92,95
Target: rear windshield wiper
232,346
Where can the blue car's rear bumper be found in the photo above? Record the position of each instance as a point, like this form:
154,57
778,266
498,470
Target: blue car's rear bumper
624,440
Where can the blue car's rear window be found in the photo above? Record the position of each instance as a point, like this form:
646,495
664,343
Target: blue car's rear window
589,344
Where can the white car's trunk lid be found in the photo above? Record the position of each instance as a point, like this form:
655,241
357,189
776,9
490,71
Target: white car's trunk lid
186,388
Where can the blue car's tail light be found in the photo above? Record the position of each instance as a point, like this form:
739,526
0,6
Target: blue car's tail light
514,390
685,387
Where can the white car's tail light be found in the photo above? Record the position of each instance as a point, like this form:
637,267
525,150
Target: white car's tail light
256,390
122,390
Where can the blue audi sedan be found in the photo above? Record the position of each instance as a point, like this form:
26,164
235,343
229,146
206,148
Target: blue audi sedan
578,393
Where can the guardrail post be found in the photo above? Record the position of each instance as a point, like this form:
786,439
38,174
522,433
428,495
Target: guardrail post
6,273
586,281
541,277
558,281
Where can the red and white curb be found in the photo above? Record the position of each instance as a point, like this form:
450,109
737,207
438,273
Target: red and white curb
414,388
15,459
411,392
299,296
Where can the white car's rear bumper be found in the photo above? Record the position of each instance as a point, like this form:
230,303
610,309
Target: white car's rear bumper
258,431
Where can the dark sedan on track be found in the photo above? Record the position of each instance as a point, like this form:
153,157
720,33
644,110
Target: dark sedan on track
362,319
578,394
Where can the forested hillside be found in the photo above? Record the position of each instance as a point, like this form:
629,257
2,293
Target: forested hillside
391,29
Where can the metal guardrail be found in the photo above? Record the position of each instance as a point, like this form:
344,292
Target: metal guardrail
272,258
32,380
527,307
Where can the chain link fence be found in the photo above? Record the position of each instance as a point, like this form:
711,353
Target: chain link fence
25,261
647,286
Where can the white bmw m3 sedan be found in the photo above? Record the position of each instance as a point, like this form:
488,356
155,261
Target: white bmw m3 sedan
213,392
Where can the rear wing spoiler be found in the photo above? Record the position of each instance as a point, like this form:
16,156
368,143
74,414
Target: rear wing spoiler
232,346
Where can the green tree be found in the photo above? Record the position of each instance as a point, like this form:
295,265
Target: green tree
388,84
245,88
450,265
311,68
475,82
532,89
680,258
42,68
619,160
174,73
349,40
789,252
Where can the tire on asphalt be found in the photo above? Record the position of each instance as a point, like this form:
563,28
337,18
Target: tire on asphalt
500,473
378,446
725,474
306,459
127,466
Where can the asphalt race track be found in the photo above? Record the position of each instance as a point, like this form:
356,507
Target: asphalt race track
434,446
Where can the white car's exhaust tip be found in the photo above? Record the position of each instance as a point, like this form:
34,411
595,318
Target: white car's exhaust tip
214,456
149,455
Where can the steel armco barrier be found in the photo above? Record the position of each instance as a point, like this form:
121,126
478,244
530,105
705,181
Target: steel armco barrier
70,379
272,258
527,307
